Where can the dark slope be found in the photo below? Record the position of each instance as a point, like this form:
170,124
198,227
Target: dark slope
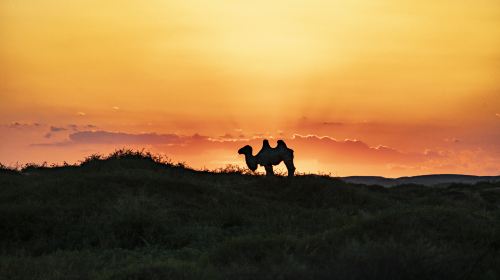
137,218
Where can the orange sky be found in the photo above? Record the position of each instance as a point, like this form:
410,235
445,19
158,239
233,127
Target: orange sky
358,87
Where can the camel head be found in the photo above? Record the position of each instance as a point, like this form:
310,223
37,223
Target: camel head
245,150
249,158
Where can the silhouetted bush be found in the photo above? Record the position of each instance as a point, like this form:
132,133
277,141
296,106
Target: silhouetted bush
7,170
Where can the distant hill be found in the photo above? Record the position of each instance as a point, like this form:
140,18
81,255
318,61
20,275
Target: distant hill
131,215
426,180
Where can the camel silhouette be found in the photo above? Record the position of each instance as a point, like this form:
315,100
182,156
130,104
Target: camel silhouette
268,157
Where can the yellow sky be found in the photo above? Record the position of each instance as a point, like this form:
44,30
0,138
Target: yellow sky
215,66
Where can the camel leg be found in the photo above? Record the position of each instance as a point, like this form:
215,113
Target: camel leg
269,170
290,167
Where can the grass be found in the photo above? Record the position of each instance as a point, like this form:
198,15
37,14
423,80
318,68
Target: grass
132,215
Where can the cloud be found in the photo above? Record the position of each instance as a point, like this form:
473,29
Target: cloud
228,137
323,149
122,138
333,123
76,127
452,140
327,149
105,137
57,129
53,130
18,124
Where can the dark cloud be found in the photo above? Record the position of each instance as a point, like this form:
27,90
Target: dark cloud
332,123
452,140
327,149
57,129
105,137
122,138
195,137
76,127
229,137
23,125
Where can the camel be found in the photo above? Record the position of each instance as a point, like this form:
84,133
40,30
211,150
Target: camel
268,157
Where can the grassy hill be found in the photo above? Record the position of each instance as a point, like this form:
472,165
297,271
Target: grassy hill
134,216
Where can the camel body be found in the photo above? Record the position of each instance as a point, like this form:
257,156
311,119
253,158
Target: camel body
269,156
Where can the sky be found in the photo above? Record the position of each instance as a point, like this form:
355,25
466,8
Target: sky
389,88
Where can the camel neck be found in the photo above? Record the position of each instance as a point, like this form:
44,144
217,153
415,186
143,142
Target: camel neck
251,161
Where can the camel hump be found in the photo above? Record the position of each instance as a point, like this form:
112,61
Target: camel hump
281,144
265,144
